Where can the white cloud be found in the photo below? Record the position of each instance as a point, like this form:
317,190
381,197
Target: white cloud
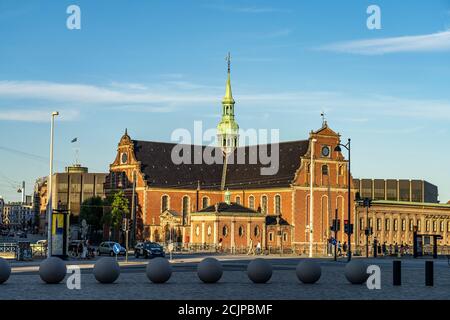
42,97
439,41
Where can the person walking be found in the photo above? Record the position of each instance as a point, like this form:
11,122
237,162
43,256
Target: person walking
339,248
344,247
258,248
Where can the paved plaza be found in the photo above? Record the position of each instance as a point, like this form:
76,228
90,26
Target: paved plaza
25,282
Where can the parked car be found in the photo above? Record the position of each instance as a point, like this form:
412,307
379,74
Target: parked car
107,248
148,250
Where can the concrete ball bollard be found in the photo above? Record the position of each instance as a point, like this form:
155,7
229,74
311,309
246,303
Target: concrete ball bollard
52,270
209,270
356,272
259,270
159,270
106,270
5,270
308,271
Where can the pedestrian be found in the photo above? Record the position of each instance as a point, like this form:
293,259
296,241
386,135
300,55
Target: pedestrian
379,248
396,249
390,249
339,248
344,247
220,245
258,248
384,248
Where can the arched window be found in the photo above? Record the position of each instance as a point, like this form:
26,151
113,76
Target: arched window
185,209
324,170
427,225
264,204
285,236
238,200
209,230
205,202
387,225
241,231
164,203
251,202
277,204
224,231
256,231
419,225
403,225
341,170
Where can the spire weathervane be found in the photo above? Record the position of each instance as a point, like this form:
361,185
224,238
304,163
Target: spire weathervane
324,120
228,59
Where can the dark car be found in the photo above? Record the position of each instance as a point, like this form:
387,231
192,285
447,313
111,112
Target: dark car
148,250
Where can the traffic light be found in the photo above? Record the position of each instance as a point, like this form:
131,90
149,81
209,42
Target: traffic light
368,231
124,224
346,228
130,224
336,226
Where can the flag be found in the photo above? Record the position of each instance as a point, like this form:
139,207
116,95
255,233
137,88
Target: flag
74,140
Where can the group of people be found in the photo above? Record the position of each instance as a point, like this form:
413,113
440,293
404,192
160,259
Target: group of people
83,250
380,249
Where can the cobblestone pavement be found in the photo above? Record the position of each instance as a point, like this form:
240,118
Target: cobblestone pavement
184,283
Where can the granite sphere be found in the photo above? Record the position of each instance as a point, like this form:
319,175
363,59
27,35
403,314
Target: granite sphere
356,272
5,270
52,270
106,270
259,270
209,270
308,271
159,270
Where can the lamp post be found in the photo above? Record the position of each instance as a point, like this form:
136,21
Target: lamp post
49,189
311,199
338,149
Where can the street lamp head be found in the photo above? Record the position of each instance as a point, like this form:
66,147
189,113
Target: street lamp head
55,113
338,148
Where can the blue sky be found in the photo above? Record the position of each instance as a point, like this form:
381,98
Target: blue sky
154,66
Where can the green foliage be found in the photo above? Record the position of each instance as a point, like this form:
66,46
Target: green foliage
119,208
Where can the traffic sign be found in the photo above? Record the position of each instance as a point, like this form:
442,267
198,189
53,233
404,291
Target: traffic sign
116,248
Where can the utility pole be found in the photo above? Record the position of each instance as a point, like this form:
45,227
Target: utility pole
49,189
311,199
335,233
133,210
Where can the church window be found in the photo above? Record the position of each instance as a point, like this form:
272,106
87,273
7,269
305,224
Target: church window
387,225
209,230
419,225
427,225
395,224
270,236
324,170
434,226
256,231
341,170
285,238
164,203
378,224
238,200
277,204
241,231
251,202
411,224
442,226
205,202
264,204
197,231
403,225
224,231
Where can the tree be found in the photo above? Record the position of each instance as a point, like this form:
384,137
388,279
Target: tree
119,209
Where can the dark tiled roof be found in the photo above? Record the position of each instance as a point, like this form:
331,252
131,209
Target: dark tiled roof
232,207
272,220
160,171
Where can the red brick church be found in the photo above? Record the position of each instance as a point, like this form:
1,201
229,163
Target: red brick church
233,204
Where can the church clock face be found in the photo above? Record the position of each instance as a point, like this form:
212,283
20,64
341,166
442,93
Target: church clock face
325,151
123,158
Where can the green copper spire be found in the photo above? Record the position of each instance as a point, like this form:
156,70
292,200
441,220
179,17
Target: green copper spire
228,129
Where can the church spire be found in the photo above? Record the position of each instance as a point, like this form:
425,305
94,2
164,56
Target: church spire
228,98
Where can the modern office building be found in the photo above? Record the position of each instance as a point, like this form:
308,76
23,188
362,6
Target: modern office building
397,190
